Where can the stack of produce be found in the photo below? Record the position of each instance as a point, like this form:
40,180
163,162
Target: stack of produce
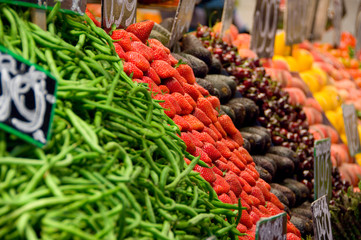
211,136
114,167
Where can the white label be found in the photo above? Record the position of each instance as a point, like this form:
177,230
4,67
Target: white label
272,228
321,219
122,13
350,120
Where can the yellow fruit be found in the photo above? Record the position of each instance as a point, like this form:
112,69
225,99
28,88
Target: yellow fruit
344,138
327,100
332,117
304,59
280,47
322,76
311,81
292,63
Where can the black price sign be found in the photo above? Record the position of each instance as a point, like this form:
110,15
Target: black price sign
322,168
358,28
295,21
27,98
182,20
274,227
337,20
122,13
350,121
320,19
321,219
227,16
69,6
264,27
311,11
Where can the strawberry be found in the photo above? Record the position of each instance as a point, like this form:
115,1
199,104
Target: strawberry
191,148
240,158
207,108
214,129
227,125
123,39
206,173
217,171
91,16
151,85
181,79
236,145
259,213
292,236
228,143
219,127
172,60
264,183
156,43
222,159
202,90
194,122
198,113
233,182
187,161
192,91
276,201
211,151
246,154
142,49
233,168
223,149
160,54
236,161
182,124
221,165
141,29
246,176
195,139
256,192
245,204
203,156
220,185
246,219
183,103
119,50
233,197
206,138
162,88
163,69
215,102
266,193
225,198
254,216
292,229
252,170
211,133
190,100
153,75
245,185
173,85
245,197
237,137
272,209
168,106
255,201
187,72
130,69
138,60
241,228
264,210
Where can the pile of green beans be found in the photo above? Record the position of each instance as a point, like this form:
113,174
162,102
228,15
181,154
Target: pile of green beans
114,167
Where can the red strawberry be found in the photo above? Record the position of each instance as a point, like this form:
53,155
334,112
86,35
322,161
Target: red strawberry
256,192
138,60
183,103
215,102
272,209
207,138
233,182
207,108
292,236
227,125
163,69
219,128
151,85
221,165
217,171
225,198
211,151
153,75
163,88
245,154
198,113
187,72
143,49
245,197
264,183
123,39
173,85
246,219
206,173
190,100
130,69
172,60
233,197
141,29
223,149
181,79
264,210
196,141
194,122
156,43
246,176
182,124
202,90
245,185
236,161
220,185
266,193
241,228
214,129
276,201
292,229
255,201
203,156
259,213
119,50
211,133
187,161
252,170
192,91
254,216
168,106
240,158
191,148
237,137
236,145
228,143
233,168
245,204
91,16
160,54
222,159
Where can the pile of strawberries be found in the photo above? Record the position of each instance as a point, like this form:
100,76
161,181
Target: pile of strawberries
212,137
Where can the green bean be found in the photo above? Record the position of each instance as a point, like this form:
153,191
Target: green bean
68,228
148,204
49,180
183,174
53,13
11,19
